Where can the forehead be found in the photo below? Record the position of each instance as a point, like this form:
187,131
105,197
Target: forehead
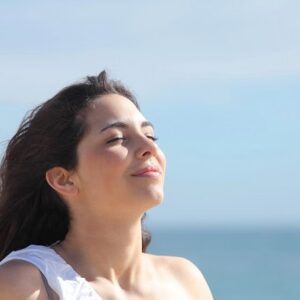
111,108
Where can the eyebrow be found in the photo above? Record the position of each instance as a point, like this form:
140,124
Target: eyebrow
124,125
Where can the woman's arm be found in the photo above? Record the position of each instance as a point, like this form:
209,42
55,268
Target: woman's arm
20,280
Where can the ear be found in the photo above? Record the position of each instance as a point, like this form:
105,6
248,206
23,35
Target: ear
61,181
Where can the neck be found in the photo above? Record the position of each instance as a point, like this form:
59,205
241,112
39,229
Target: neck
112,250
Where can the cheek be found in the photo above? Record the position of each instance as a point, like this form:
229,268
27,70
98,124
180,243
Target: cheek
112,169
162,159
108,165
98,164
114,158
100,171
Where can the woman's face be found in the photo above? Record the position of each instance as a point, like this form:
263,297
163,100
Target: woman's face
113,158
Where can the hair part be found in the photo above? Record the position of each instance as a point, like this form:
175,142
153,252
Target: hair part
31,212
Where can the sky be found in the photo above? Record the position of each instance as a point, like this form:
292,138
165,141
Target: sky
219,79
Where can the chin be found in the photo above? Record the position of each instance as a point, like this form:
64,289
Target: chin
147,196
153,199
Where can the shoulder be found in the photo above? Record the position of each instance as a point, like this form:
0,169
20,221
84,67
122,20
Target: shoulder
21,280
186,273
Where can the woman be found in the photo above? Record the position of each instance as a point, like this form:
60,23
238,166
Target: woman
76,181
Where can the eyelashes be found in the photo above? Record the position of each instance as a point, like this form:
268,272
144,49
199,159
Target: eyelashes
116,139
121,138
153,138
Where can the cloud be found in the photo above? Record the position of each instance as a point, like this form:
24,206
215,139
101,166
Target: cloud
46,46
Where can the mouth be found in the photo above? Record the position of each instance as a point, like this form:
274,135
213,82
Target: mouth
150,171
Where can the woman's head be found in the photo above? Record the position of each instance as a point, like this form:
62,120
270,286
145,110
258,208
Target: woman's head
118,144
31,211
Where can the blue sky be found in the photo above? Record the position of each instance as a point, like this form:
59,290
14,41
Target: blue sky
220,80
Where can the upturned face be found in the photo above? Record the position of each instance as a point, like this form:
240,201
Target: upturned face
120,166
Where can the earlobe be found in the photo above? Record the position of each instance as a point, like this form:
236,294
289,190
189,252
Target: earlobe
61,181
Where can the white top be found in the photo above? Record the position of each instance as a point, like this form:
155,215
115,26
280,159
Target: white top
61,277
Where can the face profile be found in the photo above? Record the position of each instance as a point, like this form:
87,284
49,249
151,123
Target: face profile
120,166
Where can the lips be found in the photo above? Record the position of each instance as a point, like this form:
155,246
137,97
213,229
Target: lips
147,170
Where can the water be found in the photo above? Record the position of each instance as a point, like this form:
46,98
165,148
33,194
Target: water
239,264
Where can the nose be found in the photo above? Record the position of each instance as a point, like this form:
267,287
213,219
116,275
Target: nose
146,147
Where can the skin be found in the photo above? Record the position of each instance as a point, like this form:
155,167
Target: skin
106,203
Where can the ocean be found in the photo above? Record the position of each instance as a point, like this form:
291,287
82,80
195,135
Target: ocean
239,264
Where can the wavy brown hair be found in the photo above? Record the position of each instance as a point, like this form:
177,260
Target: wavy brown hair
31,212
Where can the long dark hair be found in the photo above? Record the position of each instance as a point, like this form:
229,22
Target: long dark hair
31,212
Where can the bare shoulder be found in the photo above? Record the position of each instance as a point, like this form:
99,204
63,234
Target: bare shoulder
21,280
186,273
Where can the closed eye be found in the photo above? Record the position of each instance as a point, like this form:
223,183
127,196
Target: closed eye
153,138
116,139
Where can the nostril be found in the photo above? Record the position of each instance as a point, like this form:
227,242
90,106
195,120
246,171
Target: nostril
146,153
